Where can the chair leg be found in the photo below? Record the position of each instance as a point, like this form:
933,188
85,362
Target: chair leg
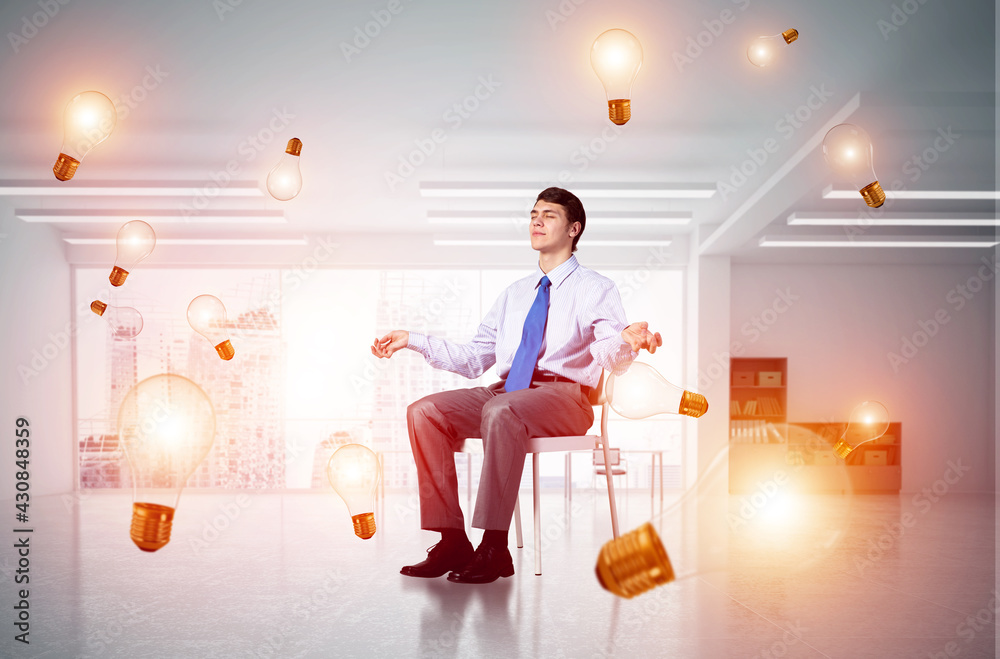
468,495
536,496
611,491
517,522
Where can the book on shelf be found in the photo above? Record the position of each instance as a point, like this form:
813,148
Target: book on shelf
754,431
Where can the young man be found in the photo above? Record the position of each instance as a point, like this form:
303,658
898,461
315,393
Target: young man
550,335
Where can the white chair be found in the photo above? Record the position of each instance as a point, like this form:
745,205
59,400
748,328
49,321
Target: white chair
618,465
537,445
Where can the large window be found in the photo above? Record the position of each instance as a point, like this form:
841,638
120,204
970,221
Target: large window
303,380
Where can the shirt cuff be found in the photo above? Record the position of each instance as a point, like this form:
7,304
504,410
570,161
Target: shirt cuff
418,343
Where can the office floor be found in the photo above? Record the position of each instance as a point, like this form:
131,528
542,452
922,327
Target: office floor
270,575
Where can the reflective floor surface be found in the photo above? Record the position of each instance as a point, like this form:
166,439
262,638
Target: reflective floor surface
282,575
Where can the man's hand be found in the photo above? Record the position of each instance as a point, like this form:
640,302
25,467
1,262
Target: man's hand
638,336
390,343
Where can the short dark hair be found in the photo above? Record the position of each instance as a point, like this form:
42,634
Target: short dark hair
572,204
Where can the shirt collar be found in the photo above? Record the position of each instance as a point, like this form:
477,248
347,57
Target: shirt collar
558,274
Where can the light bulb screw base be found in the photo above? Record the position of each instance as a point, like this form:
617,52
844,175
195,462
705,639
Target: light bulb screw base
790,35
151,525
225,350
873,194
842,449
364,525
693,404
98,307
65,167
294,147
117,276
634,563
620,111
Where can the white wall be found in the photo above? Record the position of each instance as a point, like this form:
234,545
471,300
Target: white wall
35,339
713,313
840,326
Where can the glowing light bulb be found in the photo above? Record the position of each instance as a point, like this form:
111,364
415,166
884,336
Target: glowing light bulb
284,181
869,421
763,50
207,315
88,120
848,151
617,57
135,242
706,533
354,472
641,392
125,322
166,425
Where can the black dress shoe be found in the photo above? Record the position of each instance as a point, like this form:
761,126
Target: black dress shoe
441,558
489,564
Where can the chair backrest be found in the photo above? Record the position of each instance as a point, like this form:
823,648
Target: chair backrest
614,457
597,396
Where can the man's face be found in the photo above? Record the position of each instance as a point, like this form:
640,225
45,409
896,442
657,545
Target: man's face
549,227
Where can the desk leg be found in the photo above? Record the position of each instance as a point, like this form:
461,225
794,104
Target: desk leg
568,477
661,478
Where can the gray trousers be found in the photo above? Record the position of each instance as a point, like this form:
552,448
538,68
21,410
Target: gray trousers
438,425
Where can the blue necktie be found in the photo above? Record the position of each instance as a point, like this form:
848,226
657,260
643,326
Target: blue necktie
523,367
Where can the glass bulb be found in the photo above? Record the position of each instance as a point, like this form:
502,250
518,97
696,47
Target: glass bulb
848,151
617,57
775,524
88,120
354,472
284,181
207,315
763,50
125,322
868,422
641,392
166,425
135,242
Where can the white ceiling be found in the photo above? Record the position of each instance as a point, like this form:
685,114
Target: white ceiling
227,70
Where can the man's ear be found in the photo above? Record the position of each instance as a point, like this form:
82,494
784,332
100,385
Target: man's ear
573,229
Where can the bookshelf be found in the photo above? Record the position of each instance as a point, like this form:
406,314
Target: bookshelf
764,446
758,398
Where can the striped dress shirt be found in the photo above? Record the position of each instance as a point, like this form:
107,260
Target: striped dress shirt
582,333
